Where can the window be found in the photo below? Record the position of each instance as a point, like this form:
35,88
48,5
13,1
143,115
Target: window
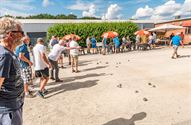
188,30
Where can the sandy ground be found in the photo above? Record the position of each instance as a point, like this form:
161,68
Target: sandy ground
132,88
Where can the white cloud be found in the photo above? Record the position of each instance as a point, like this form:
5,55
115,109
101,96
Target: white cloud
185,9
15,8
143,12
46,3
168,10
112,12
90,12
79,6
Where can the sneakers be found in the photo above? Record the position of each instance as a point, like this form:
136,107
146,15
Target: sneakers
45,91
29,96
173,57
58,80
41,94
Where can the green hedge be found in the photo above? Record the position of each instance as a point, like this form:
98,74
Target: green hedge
96,29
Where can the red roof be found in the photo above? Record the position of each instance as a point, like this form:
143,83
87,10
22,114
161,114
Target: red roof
188,23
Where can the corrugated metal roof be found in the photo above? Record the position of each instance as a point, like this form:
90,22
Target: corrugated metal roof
83,21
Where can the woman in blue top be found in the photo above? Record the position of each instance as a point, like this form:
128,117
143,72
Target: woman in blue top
93,41
117,44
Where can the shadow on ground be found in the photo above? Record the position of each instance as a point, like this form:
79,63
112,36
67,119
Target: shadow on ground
70,79
95,68
184,56
131,121
70,87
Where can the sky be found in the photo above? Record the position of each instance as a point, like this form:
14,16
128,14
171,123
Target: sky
104,9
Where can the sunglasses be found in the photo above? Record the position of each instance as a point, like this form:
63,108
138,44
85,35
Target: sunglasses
22,32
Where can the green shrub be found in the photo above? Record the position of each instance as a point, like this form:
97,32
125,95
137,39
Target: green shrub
89,29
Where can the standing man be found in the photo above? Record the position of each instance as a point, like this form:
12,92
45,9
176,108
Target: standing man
94,46
117,44
11,83
74,54
22,52
88,44
175,42
182,37
41,65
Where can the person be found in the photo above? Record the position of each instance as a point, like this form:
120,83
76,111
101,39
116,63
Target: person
182,37
74,54
53,59
150,39
94,42
171,36
138,41
104,45
41,66
11,83
53,41
23,54
154,38
88,44
68,51
175,42
124,42
117,44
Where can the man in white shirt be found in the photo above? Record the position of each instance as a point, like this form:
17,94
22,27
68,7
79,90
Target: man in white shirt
74,54
41,65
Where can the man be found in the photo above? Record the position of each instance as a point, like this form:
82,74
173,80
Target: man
182,37
53,41
53,58
94,46
117,44
175,42
11,83
104,45
41,65
26,72
74,54
88,44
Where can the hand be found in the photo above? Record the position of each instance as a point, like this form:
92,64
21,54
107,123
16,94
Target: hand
79,47
49,66
182,46
30,63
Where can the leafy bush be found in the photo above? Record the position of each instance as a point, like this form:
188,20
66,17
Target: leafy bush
90,29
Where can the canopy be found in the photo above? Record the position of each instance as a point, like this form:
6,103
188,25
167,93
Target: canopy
141,32
165,27
110,34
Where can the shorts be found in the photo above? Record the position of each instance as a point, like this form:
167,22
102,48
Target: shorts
12,118
117,46
93,45
26,75
74,59
42,73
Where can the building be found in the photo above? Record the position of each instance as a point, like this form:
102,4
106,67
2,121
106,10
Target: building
35,28
186,23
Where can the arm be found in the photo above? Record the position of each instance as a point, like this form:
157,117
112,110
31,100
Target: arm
170,43
182,44
43,55
1,81
23,58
